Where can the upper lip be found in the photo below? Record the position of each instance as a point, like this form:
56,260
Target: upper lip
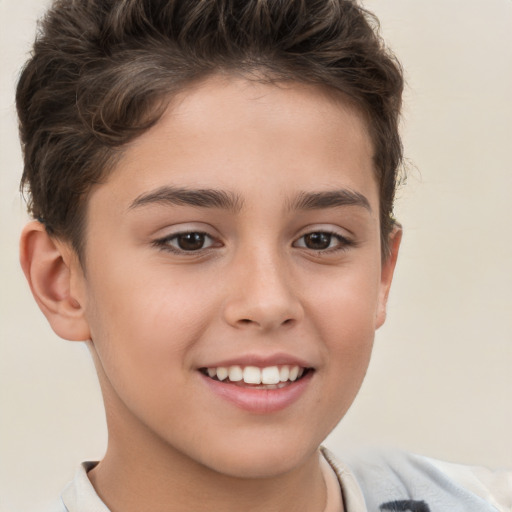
260,361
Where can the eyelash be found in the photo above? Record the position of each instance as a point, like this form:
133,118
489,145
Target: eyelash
342,245
165,243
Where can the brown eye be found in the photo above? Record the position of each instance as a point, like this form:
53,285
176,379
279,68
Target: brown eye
318,241
323,241
187,241
190,241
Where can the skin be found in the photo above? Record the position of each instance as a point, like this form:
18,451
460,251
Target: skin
156,315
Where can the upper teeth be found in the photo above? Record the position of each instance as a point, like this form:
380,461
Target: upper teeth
256,375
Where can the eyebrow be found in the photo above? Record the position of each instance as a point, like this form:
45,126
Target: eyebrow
199,198
212,198
329,199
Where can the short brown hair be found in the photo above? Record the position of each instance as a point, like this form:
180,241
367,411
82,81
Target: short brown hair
102,71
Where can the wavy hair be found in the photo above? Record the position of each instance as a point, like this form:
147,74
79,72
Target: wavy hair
102,72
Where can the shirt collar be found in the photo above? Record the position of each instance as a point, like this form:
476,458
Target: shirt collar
80,495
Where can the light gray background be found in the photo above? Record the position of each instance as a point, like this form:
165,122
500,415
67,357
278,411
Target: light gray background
440,382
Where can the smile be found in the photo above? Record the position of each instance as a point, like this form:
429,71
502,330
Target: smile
258,390
269,377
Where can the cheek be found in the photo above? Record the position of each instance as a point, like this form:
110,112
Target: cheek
143,325
148,300
144,332
345,303
343,313
347,330
142,341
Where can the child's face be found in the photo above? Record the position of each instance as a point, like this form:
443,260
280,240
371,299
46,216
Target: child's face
281,266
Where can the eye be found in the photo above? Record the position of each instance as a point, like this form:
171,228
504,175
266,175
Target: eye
190,241
322,241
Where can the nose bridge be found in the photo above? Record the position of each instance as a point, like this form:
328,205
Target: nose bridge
262,292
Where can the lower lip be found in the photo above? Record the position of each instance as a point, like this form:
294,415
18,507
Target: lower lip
261,401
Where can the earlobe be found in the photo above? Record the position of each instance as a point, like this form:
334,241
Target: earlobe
48,268
388,269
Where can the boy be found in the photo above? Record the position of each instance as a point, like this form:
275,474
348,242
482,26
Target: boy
213,186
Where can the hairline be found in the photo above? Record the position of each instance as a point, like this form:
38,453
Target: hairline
262,74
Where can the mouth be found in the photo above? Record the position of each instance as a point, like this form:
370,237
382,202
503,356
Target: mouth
254,377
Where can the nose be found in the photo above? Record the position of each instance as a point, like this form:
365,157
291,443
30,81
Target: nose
262,294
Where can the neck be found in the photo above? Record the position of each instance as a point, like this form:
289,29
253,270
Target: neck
161,481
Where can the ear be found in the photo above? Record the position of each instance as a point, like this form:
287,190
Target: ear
50,267
387,271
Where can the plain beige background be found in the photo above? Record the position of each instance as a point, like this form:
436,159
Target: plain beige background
441,379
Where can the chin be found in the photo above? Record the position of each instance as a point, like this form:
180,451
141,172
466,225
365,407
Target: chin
259,457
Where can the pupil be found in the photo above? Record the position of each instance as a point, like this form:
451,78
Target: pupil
318,240
191,241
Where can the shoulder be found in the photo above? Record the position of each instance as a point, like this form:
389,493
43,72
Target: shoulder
495,486
56,506
398,481
79,495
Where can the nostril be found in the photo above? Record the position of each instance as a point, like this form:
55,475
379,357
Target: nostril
247,321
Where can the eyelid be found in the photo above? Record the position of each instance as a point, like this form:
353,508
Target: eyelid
345,241
164,244
332,229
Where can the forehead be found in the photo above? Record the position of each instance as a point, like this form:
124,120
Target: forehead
236,134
